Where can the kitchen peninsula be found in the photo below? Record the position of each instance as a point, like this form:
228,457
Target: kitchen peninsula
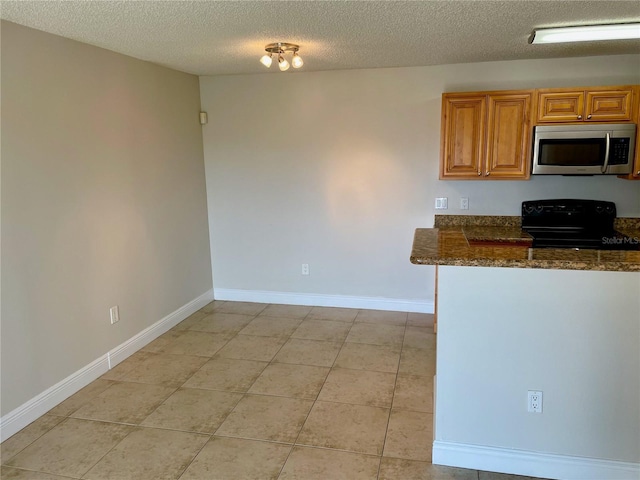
491,241
513,319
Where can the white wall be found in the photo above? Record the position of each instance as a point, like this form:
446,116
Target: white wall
103,203
574,335
337,169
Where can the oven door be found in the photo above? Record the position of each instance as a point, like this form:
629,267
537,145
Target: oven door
582,150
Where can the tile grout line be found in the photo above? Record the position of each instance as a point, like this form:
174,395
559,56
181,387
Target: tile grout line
344,342
194,457
211,435
395,384
244,395
38,471
295,442
2,462
109,451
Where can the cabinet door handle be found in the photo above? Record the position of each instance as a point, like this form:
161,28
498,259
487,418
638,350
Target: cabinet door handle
479,173
487,174
579,117
588,116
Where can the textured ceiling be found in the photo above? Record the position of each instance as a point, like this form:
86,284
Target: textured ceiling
228,37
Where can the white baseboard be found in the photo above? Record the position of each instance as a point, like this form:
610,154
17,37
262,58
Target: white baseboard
533,464
135,343
320,300
29,411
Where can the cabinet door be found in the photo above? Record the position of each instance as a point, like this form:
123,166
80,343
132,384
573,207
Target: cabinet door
560,106
463,136
609,105
508,135
635,104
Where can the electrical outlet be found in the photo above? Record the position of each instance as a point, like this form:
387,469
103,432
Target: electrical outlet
464,203
114,313
534,404
441,203
305,269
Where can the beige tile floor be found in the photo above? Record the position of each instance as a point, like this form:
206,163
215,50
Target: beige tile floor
242,391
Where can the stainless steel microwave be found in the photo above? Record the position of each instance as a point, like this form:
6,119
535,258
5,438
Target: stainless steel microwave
586,149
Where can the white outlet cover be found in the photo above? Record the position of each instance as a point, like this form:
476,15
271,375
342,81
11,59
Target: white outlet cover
534,401
114,314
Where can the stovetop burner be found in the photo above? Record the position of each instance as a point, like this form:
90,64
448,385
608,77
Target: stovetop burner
569,223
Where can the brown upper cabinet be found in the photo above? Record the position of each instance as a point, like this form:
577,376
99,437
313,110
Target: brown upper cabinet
486,135
574,105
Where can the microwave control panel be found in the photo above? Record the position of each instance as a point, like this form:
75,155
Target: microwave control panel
619,151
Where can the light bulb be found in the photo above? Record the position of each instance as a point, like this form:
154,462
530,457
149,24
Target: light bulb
282,63
266,60
297,61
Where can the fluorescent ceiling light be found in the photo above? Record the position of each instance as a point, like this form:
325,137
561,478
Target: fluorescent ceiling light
622,31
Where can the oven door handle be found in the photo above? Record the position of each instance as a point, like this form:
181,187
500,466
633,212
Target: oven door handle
606,153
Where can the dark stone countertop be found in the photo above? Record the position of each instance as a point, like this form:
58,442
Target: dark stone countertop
499,242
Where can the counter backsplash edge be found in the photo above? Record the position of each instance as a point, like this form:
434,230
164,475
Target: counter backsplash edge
476,220
441,221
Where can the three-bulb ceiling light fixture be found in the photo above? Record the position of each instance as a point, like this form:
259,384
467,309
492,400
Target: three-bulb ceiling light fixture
279,49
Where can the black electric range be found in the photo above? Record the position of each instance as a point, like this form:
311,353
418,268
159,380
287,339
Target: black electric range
570,223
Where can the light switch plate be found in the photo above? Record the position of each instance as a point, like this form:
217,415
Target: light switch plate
441,203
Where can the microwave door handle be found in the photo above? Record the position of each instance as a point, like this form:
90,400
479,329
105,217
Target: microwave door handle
606,153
